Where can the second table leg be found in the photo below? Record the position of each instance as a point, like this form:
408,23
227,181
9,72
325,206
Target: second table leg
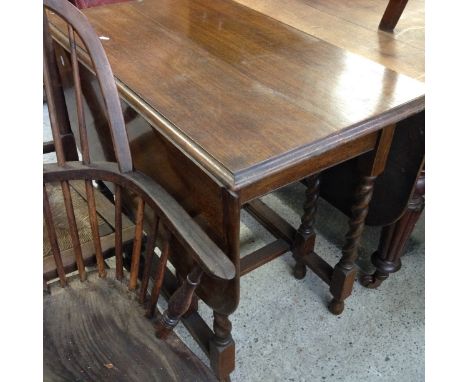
345,271
304,241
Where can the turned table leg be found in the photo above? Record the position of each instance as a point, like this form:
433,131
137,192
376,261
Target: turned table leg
344,273
304,241
394,237
222,347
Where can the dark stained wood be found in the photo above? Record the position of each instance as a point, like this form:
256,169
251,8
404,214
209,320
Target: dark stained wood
263,255
48,147
179,303
56,101
392,14
81,4
393,187
394,237
158,277
353,25
118,234
94,227
315,163
110,339
103,73
263,102
345,270
304,240
156,165
53,238
236,105
320,267
222,347
213,261
136,251
149,260
73,228
274,223
78,97
103,342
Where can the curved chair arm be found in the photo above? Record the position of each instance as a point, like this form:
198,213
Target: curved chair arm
188,233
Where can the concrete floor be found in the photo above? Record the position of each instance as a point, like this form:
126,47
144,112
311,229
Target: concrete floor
283,330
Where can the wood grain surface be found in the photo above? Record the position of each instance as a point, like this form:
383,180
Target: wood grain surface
353,25
97,331
244,93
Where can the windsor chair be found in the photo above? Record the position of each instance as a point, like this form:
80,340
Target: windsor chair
100,318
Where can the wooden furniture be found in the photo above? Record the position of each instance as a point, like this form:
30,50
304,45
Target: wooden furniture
392,14
105,219
352,25
224,105
81,4
97,323
394,238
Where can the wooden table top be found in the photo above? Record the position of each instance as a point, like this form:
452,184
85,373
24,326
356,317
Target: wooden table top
241,93
353,25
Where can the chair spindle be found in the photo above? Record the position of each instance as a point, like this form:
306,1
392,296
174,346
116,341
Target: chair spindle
136,252
118,233
73,229
95,228
149,258
159,276
53,238
78,97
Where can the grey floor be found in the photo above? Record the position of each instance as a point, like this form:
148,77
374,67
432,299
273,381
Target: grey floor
283,330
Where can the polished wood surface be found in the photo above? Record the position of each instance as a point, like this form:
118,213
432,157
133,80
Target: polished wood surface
111,338
223,104
288,94
353,25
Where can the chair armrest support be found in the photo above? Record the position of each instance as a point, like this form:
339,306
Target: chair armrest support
189,234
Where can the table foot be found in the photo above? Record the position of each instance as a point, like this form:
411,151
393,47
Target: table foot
299,270
372,281
304,242
222,347
336,307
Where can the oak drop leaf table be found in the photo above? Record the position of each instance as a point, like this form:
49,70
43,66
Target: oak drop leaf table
224,105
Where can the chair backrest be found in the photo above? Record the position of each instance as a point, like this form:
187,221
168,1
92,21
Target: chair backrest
78,26
157,215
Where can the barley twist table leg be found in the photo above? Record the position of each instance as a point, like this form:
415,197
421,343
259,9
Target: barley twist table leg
304,241
345,271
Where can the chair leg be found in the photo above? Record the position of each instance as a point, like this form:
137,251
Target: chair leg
222,347
304,241
178,304
345,271
392,14
394,237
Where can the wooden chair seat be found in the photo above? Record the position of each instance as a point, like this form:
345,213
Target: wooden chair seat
106,222
97,324
97,331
